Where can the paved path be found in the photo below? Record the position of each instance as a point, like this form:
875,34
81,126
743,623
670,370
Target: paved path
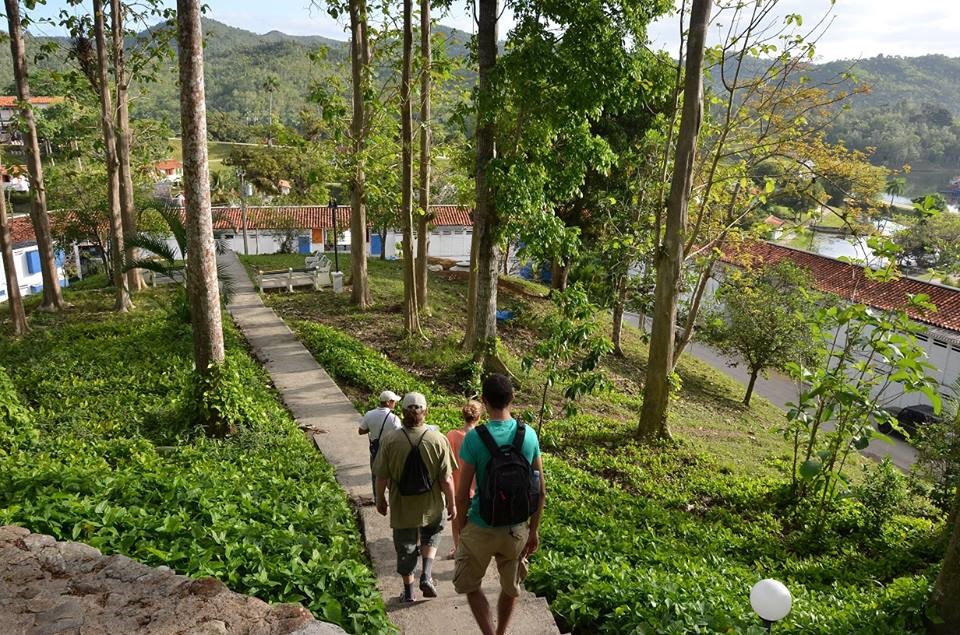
779,389
322,408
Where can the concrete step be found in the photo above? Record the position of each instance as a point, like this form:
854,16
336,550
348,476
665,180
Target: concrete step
452,616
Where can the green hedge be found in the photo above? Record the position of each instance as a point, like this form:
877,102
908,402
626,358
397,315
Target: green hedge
641,539
103,456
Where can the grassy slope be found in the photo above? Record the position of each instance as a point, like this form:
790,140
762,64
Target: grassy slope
216,151
709,414
663,539
261,511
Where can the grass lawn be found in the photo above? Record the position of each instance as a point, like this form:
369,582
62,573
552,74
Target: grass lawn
216,151
664,539
97,445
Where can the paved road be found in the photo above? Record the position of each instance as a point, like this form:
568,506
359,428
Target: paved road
780,389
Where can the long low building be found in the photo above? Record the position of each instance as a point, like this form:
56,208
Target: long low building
849,282
311,227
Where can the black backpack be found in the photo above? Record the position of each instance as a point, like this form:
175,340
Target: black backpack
508,494
415,478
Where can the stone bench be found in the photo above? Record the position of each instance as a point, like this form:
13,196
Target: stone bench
291,278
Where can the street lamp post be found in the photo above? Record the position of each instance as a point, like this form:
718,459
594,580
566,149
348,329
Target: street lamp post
243,210
771,600
336,251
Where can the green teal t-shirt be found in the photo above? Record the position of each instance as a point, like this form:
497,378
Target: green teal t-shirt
474,452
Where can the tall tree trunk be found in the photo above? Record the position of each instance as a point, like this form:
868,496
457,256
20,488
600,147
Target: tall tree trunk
669,258
121,290
411,310
619,305
17,315
945,600
52,297
202,285
127,214
360,72
486,221
471,325
423,220
753,382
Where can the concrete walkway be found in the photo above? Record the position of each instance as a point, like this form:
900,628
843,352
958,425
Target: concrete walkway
329,417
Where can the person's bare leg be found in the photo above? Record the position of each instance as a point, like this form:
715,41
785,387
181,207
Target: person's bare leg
505,606
481,611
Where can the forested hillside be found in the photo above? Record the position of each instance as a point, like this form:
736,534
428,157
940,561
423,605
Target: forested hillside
909,114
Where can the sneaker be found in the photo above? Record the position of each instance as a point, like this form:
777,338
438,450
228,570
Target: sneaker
428,588
403,599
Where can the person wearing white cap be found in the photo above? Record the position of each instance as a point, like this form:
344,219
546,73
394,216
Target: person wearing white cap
417,464
377,423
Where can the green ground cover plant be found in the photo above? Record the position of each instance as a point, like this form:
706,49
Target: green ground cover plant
665,539
96,446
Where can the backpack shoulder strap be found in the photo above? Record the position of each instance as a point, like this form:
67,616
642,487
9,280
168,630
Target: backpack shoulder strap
383,425
488,441
518,437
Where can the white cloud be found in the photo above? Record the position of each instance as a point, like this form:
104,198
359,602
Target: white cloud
863,28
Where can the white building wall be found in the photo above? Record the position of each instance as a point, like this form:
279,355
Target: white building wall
29,283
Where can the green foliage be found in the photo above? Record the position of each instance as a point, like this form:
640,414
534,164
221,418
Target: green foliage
763,317
103,464
369,372
863,352
882,493
939,452
570,353
669,539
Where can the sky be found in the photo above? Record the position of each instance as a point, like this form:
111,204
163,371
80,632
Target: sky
860,28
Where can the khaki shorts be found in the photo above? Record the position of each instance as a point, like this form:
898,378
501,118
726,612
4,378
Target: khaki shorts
478,545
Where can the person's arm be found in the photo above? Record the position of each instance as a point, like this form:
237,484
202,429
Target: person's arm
381,495
362,430
467,472
447,486
533,541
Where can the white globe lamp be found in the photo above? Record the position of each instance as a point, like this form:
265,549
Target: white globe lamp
770,600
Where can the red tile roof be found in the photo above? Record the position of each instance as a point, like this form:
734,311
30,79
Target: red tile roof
849,282
168,164
21,231
7,101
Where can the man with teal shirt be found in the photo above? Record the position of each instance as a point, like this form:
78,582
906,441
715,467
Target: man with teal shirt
479,542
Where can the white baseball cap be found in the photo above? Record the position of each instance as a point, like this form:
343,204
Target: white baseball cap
414,400
389,395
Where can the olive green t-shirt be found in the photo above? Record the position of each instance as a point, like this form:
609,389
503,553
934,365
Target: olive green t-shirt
425,509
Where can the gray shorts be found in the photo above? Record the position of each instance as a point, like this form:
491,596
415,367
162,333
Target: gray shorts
405,543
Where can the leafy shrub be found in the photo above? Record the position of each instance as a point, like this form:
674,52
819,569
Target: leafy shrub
260,511
882,493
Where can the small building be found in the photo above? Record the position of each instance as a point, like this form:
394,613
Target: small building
15,178
168,168
9,112
26,257
283,186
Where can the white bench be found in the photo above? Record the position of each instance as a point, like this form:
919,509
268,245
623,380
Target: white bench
291,278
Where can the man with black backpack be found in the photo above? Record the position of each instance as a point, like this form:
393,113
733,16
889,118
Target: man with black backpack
377,423
503,521
418,465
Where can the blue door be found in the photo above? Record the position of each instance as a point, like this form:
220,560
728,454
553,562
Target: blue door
375,245
304,244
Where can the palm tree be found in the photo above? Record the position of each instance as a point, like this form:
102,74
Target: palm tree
166,261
